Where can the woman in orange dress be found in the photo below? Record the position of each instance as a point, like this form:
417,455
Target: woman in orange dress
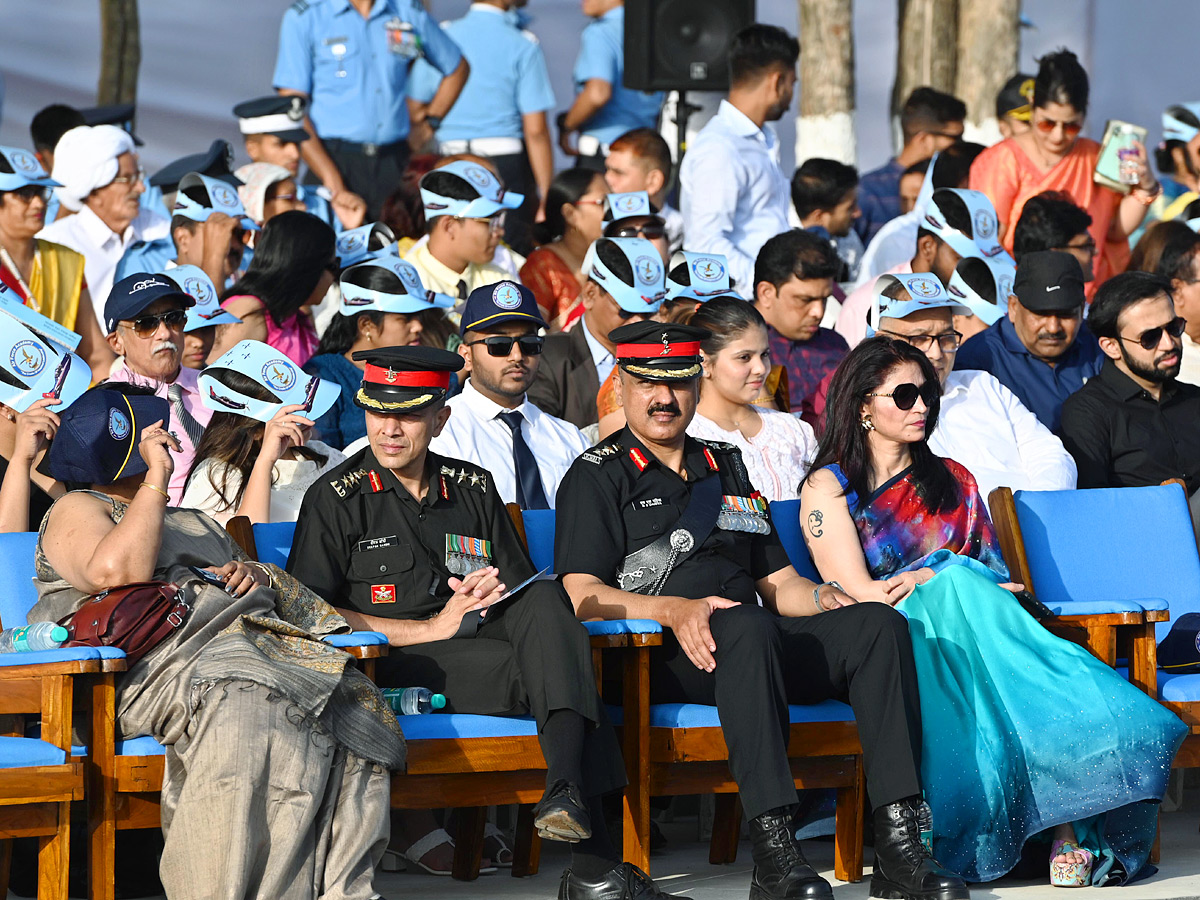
1051,156
574,218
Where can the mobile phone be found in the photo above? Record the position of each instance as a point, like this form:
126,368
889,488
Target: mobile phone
210,577
1033,605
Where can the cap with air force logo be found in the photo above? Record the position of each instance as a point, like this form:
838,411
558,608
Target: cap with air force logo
648,289
219,197
406,296
491,197
281,116
26,170
984,286
135,292
208,310
495,304
925,291
707,277
272,371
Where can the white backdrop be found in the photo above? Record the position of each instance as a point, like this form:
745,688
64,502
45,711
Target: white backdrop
200,58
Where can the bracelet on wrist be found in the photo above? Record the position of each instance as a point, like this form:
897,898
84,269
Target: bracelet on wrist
817,593
155,488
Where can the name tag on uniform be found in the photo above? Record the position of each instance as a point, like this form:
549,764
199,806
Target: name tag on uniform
402,39
466,554
378,543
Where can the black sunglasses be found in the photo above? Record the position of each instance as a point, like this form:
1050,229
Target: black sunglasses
905,395
502,344
144,326
30,191
1151,336
650,231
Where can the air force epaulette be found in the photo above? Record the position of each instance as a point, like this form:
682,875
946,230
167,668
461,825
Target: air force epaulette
602,452
300,6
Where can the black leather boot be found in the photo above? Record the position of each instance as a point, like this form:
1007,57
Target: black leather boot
904,869
780,870
622,882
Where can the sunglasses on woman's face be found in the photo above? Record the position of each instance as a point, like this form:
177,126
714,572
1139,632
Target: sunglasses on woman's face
1150,338
1070,129
905,395
144,326
502,344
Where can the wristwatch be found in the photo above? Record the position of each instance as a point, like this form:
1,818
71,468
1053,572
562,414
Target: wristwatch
434,122
817,593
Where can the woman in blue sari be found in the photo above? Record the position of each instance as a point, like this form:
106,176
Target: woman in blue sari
1024,733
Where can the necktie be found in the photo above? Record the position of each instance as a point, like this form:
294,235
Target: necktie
179,412
529,484
462,290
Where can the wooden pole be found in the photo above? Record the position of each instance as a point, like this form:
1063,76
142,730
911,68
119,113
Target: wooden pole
120,52
825,127
927,50
988,43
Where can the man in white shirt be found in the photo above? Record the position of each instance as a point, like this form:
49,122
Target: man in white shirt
981,424
734,196
102,184
492,423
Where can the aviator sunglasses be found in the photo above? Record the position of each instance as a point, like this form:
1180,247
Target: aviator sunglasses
144,326
905,395
1149,338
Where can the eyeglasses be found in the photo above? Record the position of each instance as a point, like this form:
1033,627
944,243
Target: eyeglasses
144,326
30,192
284,197
1088,247
905,395
949,341
583,201
1149,338
137,176
495,223
502,344
650,231
1070,129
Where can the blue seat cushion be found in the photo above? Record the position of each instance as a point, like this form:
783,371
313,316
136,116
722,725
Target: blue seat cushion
437,726
624,626
356,639
62,654
20,752
695,715
1096,607
1178,688
140,746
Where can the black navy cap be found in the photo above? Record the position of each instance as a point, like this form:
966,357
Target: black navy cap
98,435
214,162
496,304
659,351
404,379
277,115
119,114
1049,280
135,292
1016,97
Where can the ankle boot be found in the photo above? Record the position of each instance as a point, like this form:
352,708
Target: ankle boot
780,869
904,868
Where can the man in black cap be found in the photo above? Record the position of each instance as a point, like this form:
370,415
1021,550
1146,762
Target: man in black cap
1041,351
119,114
655,524
215,162
420,547
273,129
493,423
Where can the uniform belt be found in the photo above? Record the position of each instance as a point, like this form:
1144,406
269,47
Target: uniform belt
591,146
493,146
646,571
367,149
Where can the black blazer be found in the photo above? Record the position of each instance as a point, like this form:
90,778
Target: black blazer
566,384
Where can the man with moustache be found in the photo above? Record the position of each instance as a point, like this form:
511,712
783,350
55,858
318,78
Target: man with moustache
502,348
1041,351
657,525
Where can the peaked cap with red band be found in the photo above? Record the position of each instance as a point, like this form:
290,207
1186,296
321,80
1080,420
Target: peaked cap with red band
659,351
405,379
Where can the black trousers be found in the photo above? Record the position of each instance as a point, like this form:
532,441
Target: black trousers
518,178
859,654
372,177
530,657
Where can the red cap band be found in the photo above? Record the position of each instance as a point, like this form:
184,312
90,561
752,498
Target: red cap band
380,375
653,351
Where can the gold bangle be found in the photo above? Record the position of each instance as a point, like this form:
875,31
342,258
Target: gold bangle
156,488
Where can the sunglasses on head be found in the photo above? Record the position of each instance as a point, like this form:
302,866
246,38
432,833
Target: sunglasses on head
144,326
1070,129
1150,338
502,344
650,231
905,395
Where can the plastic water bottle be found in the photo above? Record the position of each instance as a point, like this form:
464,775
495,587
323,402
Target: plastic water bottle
27,638
413,700
925,823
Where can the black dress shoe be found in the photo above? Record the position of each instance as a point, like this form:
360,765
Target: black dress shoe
904,868
780,870
624,881
561,814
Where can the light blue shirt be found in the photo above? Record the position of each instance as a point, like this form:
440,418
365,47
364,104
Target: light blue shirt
602,55
601,357
734,197
355,70
508,77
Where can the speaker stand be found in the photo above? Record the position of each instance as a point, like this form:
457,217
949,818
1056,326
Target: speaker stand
683,112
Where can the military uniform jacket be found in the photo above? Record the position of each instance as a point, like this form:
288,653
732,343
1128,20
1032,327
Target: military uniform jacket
617,498
363,542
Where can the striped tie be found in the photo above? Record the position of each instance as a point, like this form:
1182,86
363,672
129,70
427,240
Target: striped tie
180,414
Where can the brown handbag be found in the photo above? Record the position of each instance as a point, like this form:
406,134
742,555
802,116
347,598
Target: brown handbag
133,617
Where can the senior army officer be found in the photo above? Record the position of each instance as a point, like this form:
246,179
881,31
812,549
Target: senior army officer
420,547
654,524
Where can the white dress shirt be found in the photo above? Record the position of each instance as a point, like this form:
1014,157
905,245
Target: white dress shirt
734,196
1189,369
102,248
602,357
475,432
984,427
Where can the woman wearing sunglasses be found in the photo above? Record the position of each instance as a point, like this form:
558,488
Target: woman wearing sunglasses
1025,735
1052,156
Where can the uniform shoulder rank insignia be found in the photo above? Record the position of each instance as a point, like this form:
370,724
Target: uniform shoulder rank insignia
300,6
347,482
602,453
376,481
711,460
639,458
474,478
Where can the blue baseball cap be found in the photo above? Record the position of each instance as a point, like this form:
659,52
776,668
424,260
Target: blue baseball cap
494,304
649,288
1175,129
26,170
135,292
96,442
407,296
219,198
925,291
490,195
208,310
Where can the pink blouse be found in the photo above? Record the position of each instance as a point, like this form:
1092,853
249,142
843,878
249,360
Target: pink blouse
296,337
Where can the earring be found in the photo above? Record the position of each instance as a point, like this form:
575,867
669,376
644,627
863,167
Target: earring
866,423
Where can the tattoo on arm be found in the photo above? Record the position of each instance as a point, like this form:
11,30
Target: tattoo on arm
816,519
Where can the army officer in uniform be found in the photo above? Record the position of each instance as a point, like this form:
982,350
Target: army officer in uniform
420,547
654,524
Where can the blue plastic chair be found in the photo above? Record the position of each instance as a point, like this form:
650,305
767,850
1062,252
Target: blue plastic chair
785,514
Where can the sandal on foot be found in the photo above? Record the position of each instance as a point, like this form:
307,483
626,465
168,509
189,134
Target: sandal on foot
496,848
436,838
1070,874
